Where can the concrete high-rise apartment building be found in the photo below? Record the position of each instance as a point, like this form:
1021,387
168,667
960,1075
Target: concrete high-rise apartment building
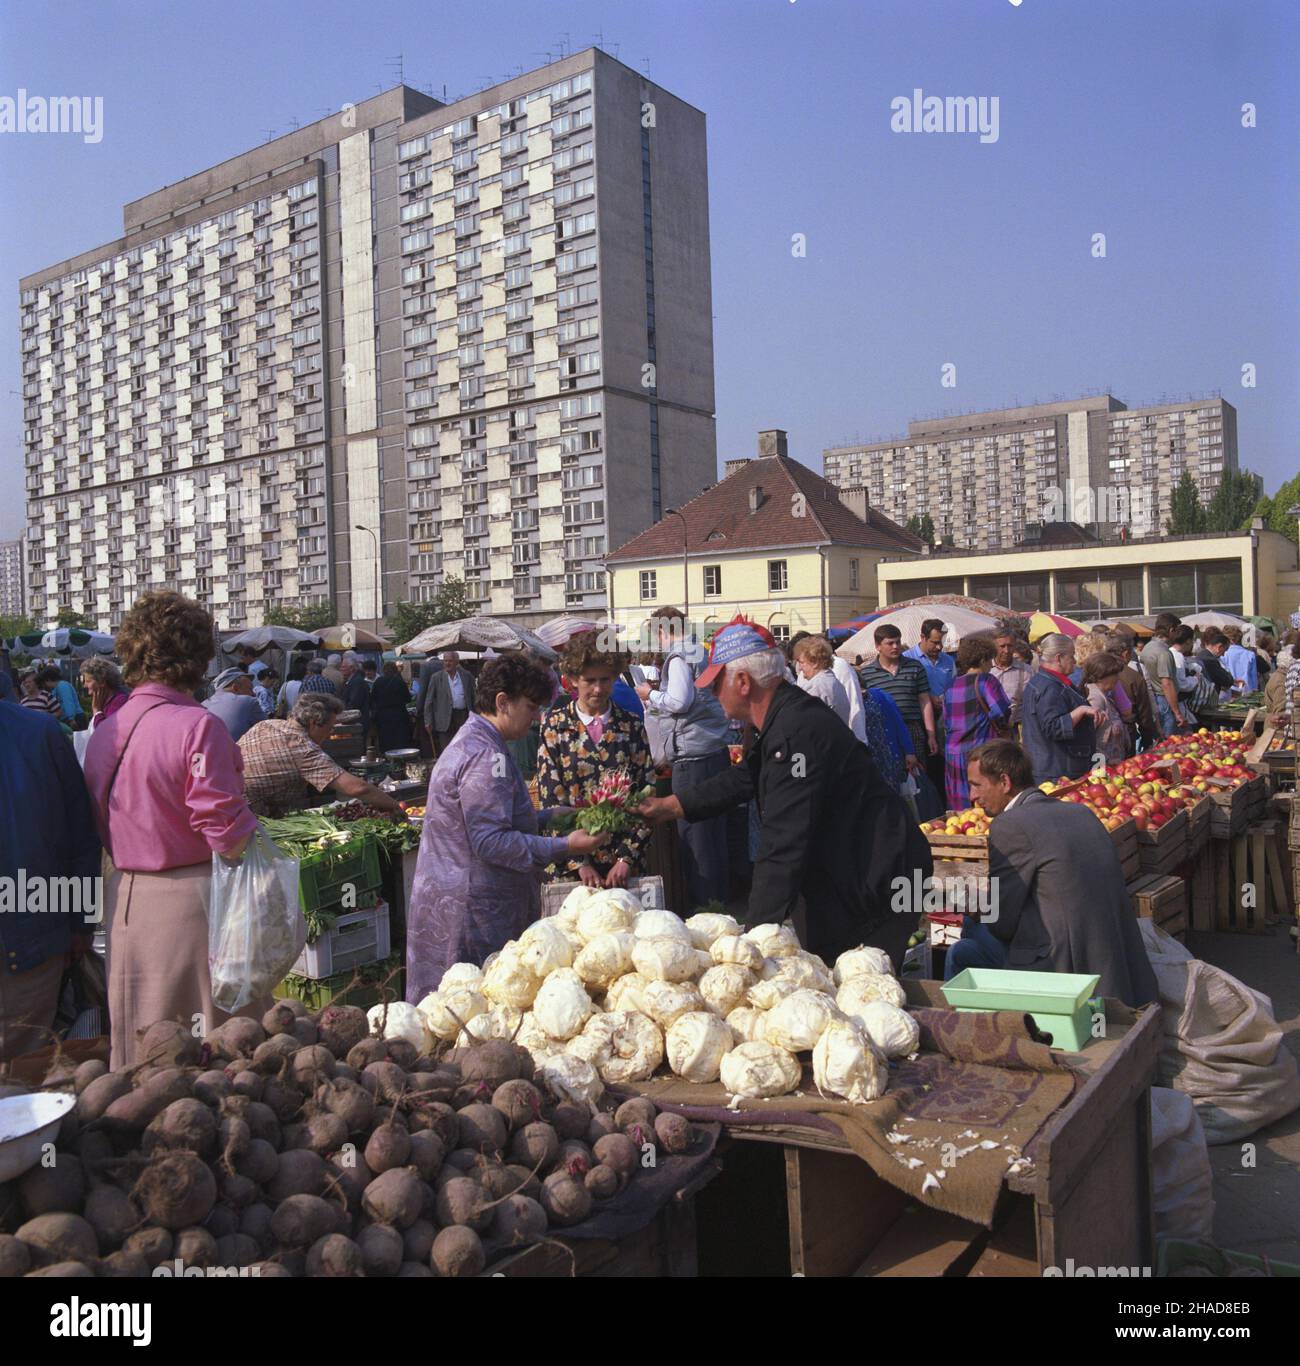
13,601
470,338
984,477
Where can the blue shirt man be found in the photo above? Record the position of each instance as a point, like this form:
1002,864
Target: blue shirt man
1244,664
69,703
47,830
940,668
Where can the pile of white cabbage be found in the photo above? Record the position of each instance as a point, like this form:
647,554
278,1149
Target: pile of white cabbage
606,992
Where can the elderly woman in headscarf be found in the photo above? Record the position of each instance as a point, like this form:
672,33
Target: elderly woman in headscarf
479,872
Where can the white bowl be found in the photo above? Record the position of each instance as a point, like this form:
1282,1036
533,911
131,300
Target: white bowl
27,1123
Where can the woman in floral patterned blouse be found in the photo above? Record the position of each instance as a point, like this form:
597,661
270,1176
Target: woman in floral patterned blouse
586,737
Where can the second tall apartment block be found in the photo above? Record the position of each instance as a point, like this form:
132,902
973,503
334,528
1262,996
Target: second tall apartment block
409,341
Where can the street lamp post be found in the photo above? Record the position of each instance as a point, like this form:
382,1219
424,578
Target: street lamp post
686,573
379,576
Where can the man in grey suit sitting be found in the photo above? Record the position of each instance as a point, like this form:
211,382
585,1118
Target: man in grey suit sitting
448,700
1062,905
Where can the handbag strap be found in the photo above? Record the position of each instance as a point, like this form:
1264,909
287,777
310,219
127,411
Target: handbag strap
108,793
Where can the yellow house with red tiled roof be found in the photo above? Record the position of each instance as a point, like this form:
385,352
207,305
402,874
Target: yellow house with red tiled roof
773,540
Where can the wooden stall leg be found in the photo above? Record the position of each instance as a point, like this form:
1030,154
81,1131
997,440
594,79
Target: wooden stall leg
839,1210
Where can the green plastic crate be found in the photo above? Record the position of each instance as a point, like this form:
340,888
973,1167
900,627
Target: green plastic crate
1059,1003
323,877
362,987
1176,1254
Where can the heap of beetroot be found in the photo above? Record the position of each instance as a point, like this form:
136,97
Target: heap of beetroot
303,1146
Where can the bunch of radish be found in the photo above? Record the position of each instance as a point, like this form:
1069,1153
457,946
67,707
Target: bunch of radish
305,1145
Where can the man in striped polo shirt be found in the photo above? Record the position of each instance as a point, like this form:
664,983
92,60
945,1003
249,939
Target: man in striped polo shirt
907,683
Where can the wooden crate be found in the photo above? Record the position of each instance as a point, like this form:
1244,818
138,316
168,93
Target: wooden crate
1250,887
1198,826
958,847
1162,899
1199,875
1163,850
1230,813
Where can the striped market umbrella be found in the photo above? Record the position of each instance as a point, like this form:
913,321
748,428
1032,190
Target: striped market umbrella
1047,623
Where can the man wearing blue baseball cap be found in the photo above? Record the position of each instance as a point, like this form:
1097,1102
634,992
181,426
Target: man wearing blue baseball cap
835,836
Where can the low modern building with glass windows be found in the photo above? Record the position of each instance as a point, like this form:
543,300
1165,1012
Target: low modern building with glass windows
1249,573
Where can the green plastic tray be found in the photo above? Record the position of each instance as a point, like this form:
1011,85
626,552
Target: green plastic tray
1059,1003
323,877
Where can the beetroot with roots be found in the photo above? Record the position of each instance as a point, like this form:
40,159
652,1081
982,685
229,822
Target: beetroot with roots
575,1158
166,1043
325,1134
255,1221
153,1244
235,1190
401,1051
417,1241
15,1256
236,1038
463,1201
458,1251
53,1238
222,1221
177,1190
352,1103
248,1084
259,1161
212,1087
441,1121
517,1222
283,1100
342,1028
122,1263
638,1110
311,1066
270,1056
185,1125
570,1121
674,1132
565,1199
382,1249
600,1125
111,1214
347,1176
519,1101
301,1219
535,1146
602,1182
361,1055
335,1255
619,1152
58,1189
493,1061
529,1182
280,1018
394,1197
237,1249
389,1146
482,1128
90,1070
195,1247
426,1154
100,1094
300,1172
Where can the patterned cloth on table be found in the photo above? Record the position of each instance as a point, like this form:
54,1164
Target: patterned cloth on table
478,874
570,764
975,703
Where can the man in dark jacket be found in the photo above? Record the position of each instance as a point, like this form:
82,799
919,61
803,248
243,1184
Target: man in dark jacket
1057,724
1062,905
835,838
49,874
356,695
1214,645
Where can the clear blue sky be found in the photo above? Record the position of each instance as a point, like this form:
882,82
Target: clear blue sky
1116,116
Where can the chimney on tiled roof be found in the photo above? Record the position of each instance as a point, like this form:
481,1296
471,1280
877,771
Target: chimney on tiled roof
731,466
772,442
855,499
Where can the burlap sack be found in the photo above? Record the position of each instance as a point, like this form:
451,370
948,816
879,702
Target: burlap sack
1222,1045
1182,1184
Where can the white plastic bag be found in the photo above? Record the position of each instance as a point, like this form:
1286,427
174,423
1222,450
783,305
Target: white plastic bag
255,928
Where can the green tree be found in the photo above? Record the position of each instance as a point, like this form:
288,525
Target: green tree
73,620
407,619
922,527
301,618
1233,503
1275,510
1186,515
15,626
